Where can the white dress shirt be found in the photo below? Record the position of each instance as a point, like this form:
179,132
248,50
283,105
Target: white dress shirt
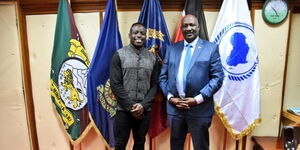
179,83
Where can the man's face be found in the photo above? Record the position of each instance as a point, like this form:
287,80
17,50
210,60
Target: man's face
190,28
137,36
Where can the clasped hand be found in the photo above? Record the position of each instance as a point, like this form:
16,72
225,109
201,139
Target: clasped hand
137,110
183,103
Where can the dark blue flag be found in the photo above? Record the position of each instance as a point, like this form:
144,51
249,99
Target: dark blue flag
157,40
157,33
101,102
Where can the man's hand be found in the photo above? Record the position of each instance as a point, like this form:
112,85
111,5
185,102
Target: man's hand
178,102
183,103
190,101
174,100
137,110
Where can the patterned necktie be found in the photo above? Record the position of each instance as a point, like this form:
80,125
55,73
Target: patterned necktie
187,60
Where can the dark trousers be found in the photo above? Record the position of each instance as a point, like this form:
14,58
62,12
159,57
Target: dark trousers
124,123
197,126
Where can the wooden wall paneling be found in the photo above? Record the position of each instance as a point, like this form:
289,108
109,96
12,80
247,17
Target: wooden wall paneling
296,9
101,18
30,7
27,87
50,6
5,1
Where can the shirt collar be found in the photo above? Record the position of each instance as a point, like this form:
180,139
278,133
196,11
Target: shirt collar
136,50
193,43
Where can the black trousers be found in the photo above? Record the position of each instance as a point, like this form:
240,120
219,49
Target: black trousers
198,127
124,123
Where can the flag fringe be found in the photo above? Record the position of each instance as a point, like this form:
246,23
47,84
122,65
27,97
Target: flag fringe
82,135
99,133
229,128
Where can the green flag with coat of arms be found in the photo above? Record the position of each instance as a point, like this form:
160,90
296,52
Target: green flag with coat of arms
68,82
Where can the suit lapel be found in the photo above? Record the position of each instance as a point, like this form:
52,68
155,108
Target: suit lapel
197,51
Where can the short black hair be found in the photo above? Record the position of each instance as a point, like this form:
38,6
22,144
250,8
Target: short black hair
134,24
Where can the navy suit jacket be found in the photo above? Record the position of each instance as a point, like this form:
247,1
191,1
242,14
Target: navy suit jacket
205,76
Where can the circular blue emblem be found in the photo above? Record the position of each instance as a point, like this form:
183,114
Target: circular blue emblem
238,51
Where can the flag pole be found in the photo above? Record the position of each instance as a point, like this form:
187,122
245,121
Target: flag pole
116,6
225,139
71,145
244,142
189,141
150,143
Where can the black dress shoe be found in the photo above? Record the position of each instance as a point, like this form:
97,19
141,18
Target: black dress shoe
288,134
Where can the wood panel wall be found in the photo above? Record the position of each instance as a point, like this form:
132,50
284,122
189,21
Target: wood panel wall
50,6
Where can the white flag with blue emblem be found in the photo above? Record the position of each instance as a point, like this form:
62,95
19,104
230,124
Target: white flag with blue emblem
237,103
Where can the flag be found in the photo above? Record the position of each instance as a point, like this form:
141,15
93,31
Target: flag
157,41
102,104
193,7
237,103
68,76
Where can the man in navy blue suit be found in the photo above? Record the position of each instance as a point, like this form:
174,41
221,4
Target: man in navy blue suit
191,74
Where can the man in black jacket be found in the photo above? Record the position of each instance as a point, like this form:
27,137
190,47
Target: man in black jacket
133,76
